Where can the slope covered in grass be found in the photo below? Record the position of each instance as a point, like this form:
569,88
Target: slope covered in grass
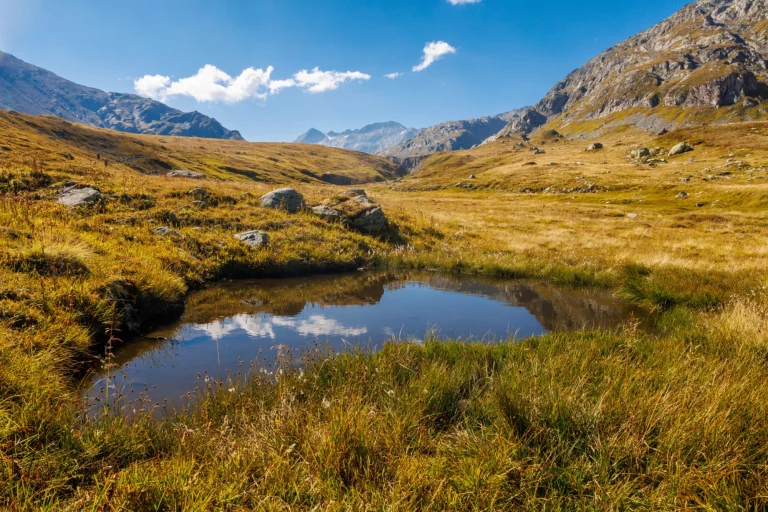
58,143
602,420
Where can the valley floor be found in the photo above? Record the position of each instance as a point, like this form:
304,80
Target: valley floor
588,420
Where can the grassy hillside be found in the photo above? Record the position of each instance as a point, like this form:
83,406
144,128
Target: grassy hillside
56,143
601,420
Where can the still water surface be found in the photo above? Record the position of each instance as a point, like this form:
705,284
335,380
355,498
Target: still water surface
231,324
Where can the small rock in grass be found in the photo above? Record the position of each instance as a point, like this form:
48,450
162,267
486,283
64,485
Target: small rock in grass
253,238
166,231
326,212
681,148
198,192
354,192
595,146
682,195
182,173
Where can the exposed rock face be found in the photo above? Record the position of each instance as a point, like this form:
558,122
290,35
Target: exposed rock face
711,53
253,238
451,136
33,90
287,199
74,197
368,139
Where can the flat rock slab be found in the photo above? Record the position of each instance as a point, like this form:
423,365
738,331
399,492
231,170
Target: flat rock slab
253,238
166,231
326,212
74,197
287,199
181,173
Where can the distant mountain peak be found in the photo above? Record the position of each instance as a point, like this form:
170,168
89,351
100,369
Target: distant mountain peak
32,90
371,138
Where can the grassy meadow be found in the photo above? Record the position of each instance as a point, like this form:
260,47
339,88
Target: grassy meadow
677,419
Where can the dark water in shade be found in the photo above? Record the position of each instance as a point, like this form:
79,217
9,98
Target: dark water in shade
229,325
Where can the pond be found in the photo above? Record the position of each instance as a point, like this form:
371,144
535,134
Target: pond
231,325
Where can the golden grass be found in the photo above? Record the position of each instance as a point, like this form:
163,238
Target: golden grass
600,420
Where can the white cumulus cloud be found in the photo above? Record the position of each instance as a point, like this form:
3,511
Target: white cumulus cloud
392,76
321,81
432,52
153,86
462,2
210,84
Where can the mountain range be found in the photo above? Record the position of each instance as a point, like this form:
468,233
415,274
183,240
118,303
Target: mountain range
29,89
707,63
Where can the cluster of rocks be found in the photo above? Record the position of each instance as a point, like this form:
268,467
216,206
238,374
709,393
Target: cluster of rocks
355,209
650,156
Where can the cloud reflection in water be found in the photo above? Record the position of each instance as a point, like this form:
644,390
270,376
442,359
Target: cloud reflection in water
263,326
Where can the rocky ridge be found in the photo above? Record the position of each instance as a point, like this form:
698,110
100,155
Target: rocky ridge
710,54
32,90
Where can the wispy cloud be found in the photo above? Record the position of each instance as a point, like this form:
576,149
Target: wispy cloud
392,76
210,84
433,52
462,2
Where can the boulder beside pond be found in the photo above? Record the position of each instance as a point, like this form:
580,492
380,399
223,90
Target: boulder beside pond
287,199
74,197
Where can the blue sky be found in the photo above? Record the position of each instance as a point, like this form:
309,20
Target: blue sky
507,53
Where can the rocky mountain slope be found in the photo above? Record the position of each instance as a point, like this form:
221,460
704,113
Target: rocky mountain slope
682,72
32,90
368,139
450,136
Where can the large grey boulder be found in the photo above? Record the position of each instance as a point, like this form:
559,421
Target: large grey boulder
253,238
639,153
181,173
371,221
74,197
287,199
681,148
